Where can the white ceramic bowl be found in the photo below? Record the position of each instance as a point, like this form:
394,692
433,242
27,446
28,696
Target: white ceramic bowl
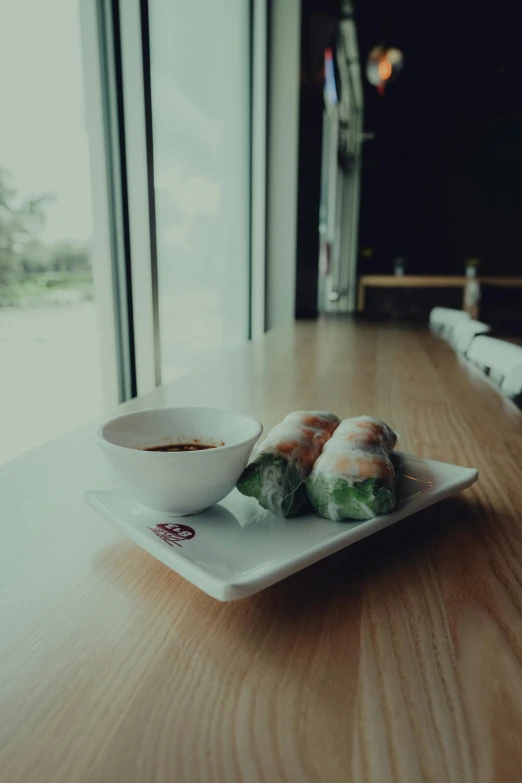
183,482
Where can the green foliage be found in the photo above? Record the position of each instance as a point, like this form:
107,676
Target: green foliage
28,266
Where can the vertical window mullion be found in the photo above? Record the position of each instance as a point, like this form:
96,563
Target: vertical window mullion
110,241
137,116
258,166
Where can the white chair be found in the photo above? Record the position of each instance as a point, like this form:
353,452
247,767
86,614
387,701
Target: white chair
502,360
444,319
464,331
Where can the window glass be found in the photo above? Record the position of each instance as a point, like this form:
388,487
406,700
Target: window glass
200,79
49,360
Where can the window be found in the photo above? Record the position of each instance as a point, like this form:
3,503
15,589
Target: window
156,153
49,341
200,83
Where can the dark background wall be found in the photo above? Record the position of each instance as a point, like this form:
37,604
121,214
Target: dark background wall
442,181
319,22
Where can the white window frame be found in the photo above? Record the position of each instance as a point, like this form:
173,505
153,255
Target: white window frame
109,252
282,166
117,73
258,168
141,201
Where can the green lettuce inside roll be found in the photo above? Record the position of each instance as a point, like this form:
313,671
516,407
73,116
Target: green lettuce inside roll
277,474
354,478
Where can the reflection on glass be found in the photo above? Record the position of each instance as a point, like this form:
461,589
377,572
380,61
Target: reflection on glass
200,102
48,334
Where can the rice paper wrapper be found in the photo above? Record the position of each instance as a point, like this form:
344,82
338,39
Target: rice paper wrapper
354,478
281,464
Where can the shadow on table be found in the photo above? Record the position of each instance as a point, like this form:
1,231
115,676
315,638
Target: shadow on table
440,540
436,532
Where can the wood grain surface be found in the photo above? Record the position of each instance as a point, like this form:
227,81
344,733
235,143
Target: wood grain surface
398,659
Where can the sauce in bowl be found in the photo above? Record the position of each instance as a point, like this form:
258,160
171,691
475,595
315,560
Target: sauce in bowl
180,447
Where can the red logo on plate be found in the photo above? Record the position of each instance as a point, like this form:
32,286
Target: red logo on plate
173,533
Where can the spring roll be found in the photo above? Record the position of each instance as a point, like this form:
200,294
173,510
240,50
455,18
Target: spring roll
354,477
281,464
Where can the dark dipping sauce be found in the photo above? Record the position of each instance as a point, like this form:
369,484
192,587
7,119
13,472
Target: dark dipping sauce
181,447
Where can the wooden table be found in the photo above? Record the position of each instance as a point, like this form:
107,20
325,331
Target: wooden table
398,659
431,281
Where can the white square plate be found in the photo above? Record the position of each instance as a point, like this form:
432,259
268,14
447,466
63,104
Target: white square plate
236,548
